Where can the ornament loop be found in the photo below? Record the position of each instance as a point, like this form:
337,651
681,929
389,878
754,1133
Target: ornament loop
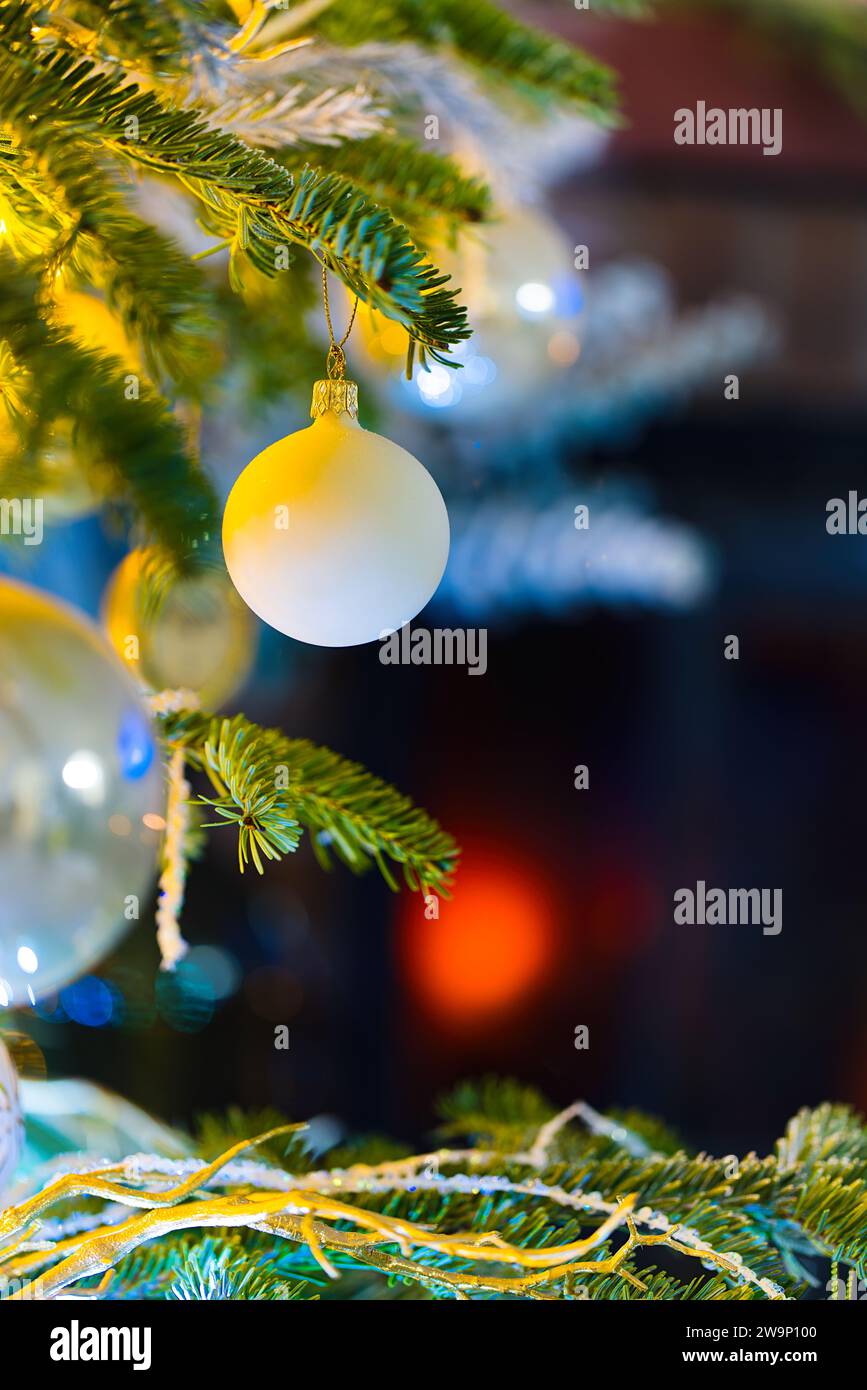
335,363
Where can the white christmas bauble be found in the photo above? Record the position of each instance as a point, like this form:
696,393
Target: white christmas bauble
11,1123
81,795
335,535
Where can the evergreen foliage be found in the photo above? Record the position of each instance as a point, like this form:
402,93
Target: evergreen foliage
578,1213
272,788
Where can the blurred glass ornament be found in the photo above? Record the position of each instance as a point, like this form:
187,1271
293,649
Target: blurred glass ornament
640,357
11,1123
72,1117
198,636
525,300
79,772
68,491
64,489
91,322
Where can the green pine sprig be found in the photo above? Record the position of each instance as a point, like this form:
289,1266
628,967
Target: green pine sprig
426,191
272,788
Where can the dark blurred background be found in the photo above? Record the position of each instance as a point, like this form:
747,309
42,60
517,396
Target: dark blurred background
741,773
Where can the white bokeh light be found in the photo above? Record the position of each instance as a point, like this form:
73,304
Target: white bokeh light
83,772
534,297
28,961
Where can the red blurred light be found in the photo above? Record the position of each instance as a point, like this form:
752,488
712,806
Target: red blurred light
491,946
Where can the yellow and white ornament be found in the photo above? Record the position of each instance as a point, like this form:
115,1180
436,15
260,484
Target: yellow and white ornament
335,535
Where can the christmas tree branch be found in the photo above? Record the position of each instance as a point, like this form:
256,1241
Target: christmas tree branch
152,472
211,68
247,197
406,1218
271,788
498,46
157,34
433,1218
421,188
88,234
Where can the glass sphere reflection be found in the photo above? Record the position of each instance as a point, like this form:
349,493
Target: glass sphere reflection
11,1123
79,771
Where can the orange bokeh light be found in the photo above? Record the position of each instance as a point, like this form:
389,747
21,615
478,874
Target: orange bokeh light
491,946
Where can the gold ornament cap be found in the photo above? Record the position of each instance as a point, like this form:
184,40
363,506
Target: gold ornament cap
334,394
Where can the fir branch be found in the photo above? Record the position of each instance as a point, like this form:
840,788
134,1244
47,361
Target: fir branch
832,1211
298,116
469,1222
271,787
548,1255
249,793
422,188
26,209
498,46
247,196
160,296
216,1133
501,1114
218,1270
50,182
817,1136
255,96
155,35
152,472
250,1264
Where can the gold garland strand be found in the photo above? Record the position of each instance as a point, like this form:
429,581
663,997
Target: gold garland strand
302,1215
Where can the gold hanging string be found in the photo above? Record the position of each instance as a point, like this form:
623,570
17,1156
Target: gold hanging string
336,360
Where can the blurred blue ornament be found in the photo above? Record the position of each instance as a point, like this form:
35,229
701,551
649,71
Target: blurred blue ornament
136,748
90,1002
